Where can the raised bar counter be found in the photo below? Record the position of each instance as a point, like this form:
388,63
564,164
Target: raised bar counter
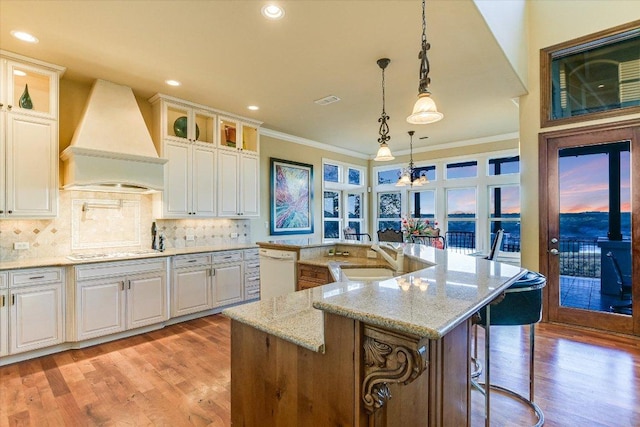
346,347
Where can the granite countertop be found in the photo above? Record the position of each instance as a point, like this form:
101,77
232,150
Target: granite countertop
64,261
428,302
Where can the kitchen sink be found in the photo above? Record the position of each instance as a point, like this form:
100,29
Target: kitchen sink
367,274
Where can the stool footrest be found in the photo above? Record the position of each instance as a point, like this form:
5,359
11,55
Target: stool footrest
534,407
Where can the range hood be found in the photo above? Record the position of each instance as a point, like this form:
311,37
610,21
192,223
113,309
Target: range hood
111,149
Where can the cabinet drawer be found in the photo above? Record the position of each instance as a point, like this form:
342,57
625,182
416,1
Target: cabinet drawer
35,276
313,273
123,268
227,256
251,254
191,260
252,283
303,284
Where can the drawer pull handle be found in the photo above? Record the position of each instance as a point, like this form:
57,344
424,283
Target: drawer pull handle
13,299
192,260
2,305
36,277
122,284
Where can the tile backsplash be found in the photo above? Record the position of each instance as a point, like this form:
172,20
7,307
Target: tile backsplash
110,222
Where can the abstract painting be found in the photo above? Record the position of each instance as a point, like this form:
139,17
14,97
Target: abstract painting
291,197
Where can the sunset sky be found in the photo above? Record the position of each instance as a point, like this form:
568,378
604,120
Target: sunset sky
584,183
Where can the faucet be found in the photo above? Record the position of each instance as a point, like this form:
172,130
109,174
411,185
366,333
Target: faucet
397,263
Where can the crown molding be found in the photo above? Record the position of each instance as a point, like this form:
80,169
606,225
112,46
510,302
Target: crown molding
310,143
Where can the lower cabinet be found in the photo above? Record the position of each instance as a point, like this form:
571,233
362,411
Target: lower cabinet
227,284
116,296
31,310
191,284
310,276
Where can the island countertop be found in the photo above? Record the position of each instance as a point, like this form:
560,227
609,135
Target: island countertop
428,302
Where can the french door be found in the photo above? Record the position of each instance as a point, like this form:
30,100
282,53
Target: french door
590,226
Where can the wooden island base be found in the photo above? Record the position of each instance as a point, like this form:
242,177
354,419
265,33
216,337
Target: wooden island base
277,383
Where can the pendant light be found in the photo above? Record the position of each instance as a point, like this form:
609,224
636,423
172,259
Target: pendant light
406,178
384,153
424,110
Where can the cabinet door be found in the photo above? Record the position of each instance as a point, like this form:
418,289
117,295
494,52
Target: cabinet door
250,185
4,322
204,181
227,284
41,85
176,197
3,153
100,308
228,185
36,317
191,290
32,159
146,300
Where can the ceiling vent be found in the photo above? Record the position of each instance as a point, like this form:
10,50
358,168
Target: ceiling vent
327,100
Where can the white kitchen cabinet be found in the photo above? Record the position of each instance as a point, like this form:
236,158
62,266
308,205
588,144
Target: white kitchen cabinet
28,138
185,135
227,284
238,168
251,274
4,315
35,303
227,278
238,184
113,297
191,284
189,189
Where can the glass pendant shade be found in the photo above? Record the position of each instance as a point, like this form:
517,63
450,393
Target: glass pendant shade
384,153
404,180
424,111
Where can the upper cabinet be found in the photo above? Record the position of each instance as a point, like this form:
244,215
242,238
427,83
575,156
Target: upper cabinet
212,167
28,137
239,135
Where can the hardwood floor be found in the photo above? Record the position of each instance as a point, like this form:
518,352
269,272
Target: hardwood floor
179,376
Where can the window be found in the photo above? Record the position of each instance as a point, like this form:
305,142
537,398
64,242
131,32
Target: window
389,210
461,209
504,165
592,77
422,204
331,212
344,199
389,176
462,170
504,213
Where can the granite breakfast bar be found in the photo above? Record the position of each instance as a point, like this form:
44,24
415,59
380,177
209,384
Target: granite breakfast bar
384,353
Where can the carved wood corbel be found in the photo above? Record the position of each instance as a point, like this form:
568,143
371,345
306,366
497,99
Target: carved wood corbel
389,357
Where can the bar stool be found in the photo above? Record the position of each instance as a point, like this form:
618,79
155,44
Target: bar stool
521,305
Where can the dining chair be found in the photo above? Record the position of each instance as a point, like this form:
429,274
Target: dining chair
390,235
351,234
428,240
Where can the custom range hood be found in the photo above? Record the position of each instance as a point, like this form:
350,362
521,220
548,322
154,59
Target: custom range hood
111,149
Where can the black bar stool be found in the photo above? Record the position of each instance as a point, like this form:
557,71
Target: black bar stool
521,305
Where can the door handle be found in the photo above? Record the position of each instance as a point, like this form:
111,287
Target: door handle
554,240
554,251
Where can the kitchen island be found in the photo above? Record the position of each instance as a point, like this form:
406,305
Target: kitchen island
383,353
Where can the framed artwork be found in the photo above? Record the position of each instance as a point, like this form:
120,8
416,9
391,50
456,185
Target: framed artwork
291,197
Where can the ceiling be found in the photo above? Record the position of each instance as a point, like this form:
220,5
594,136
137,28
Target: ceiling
228,56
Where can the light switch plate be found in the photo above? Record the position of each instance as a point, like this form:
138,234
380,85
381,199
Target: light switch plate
19,246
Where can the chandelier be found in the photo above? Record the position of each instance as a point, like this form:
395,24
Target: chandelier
424,110
408,174
384,153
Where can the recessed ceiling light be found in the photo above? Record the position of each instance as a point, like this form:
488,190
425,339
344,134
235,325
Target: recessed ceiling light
253,107
25,37
172,82
272,11
19,73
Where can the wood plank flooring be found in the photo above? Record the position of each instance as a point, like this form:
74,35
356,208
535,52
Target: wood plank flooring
179,376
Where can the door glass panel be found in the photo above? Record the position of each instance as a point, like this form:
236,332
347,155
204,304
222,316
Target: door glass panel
504,213
31,90
595,227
